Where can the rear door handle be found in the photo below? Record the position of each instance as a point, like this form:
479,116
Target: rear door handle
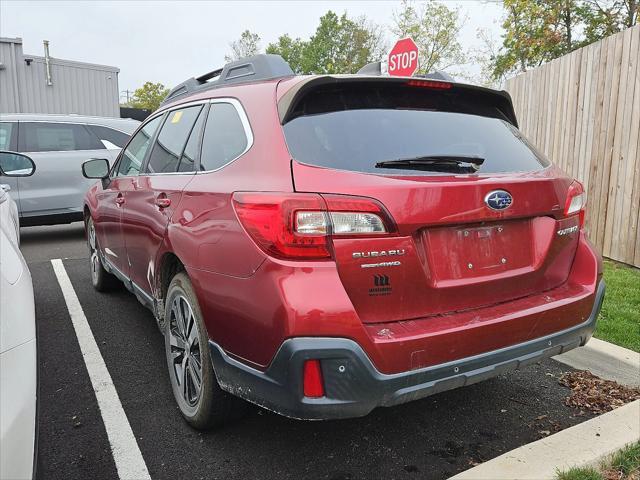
162,200
119,199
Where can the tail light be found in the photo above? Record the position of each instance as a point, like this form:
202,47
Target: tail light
576,201
313,385
299,225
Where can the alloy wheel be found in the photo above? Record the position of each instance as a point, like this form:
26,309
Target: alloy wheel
95,260
185,358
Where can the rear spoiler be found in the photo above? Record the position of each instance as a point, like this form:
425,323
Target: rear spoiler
286,106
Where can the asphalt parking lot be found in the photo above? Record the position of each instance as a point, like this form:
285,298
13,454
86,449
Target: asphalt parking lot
428,439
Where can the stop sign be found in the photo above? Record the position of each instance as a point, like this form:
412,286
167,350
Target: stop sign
403,58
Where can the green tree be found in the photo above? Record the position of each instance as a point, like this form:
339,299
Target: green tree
435,28
149,96
529,38
603,18
290,49
539,31
339,45
484,55
246,46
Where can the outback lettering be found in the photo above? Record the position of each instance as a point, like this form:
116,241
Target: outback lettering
567,231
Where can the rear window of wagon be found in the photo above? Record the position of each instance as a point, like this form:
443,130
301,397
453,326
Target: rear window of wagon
355,128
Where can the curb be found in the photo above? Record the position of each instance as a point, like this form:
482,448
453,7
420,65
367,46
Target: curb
605,360
584,444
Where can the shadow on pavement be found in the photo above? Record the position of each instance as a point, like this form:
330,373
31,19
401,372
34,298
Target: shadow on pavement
53,241
428,439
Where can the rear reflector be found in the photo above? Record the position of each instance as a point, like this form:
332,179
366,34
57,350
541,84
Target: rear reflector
576,201
299,225
312,379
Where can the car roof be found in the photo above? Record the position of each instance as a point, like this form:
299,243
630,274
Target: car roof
58,117
291,88
128,125
259,69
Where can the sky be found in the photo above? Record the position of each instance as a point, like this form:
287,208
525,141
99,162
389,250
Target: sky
170,41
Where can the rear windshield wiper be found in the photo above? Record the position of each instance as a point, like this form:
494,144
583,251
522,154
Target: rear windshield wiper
436,163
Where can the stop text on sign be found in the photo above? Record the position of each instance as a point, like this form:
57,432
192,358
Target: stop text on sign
403,58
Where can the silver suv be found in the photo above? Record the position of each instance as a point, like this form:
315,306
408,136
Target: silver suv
58,144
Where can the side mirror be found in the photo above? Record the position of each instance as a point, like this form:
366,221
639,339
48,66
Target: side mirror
96,168
14,164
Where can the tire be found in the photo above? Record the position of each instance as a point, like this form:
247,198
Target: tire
187,353
101,280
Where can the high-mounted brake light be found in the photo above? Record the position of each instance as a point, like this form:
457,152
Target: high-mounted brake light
576,201
313,385
429,84
299,225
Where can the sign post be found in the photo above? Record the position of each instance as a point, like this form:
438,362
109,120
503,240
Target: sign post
403,58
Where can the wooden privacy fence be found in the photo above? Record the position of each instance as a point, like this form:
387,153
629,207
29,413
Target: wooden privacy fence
583,111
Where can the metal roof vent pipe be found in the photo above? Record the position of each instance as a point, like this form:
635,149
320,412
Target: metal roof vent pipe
47,62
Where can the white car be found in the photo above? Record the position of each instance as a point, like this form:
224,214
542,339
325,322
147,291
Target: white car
59,144
18,349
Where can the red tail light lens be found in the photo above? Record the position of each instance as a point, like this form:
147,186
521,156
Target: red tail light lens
269,219
299,225
313,384
576,201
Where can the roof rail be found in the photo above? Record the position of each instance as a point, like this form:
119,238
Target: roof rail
250,69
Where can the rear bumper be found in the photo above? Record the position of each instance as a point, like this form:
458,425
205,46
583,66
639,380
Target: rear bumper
354,386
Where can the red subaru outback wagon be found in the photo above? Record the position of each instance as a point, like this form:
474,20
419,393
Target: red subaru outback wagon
324,245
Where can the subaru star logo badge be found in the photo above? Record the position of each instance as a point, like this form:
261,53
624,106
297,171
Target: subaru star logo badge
498,200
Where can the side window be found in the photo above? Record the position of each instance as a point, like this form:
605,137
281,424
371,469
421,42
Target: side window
56,137
7,135
188,158
224,137
133,156
172,139
109,137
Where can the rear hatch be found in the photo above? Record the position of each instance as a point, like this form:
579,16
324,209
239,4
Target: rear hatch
477,211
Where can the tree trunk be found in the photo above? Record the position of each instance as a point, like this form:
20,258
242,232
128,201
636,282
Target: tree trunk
568,25
633,8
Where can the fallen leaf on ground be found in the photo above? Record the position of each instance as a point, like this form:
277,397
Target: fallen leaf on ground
592,393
